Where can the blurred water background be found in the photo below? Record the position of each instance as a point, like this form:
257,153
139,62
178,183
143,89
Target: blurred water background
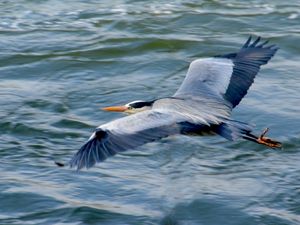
60,61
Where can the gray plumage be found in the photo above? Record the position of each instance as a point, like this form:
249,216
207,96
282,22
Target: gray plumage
202,104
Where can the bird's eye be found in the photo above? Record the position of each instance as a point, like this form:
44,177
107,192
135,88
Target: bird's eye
130,107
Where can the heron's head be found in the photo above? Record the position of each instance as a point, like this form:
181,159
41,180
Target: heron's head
131,107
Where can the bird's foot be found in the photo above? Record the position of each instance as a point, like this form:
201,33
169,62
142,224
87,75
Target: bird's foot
267,141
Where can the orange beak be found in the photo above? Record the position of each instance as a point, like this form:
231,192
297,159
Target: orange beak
120,108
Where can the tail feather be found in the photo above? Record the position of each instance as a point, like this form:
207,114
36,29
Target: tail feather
233,130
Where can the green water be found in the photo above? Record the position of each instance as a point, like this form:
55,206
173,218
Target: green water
60,61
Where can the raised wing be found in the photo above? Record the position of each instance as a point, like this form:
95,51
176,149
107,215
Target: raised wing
227,76
169,116
194,109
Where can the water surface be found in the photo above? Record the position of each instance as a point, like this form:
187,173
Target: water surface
61,61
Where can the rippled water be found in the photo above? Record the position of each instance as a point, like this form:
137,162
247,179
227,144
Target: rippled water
60,61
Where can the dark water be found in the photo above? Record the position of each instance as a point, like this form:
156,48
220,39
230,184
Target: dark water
60,61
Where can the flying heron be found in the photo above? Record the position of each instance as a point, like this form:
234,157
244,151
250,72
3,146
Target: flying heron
202,104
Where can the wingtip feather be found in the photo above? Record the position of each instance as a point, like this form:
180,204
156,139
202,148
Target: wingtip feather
247,42
255,42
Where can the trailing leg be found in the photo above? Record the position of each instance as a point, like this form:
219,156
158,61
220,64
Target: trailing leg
263,140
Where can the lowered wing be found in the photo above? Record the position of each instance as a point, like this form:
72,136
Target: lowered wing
227,76
169,116
125,133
